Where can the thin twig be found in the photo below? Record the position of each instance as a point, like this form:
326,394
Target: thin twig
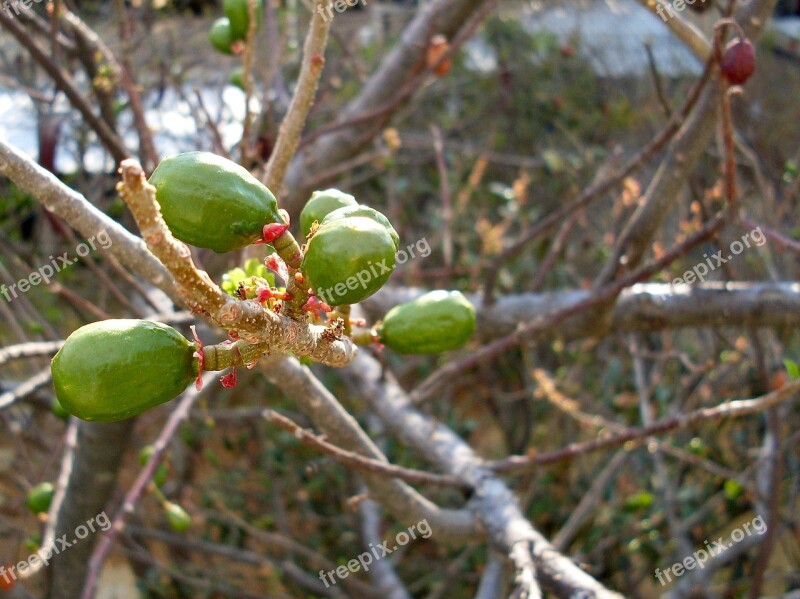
64,82
728,409
598,188
23,390
527,331
359,461
292,125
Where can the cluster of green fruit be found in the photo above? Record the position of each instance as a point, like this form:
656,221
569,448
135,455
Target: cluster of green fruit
116,369
227,34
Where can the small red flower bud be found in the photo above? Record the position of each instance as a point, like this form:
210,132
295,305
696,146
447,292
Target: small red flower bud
229,380
738,61
274,230
316,305
263,294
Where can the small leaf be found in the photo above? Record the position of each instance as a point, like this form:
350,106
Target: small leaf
732,489
792,368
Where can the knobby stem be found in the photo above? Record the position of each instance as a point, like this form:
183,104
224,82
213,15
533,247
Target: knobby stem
224,355
291,253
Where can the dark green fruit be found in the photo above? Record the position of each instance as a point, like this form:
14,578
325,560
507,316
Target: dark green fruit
40,497
367,212
321,204
210,202
220,35
348,260
237,13
437,322
115,369
177,517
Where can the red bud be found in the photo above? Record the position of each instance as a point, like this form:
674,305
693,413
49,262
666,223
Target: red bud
274,230
738,61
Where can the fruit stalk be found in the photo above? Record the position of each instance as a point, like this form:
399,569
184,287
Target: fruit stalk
224,355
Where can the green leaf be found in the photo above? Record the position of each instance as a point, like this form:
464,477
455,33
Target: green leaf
732,489
792,369
640,501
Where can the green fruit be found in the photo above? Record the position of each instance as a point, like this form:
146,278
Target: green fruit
220,35
40,497
115,369
58,410
160,475
177,517
321,204
210,202
237,78
237,13
367,212
437,322
348,260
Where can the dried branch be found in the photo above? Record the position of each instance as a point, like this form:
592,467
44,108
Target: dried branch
382,573
728,409
492,501
64,82
382,90
32,349
686,149
302,99
358,461
88,476
451,526
23,390
685,31
525,332
81,215
598,188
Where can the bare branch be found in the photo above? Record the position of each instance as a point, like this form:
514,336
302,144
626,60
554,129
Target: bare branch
357,461
65,83
492,501
302,99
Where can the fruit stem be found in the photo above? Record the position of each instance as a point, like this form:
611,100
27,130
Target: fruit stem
224,355
291,253
289,250
364,337
344,312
